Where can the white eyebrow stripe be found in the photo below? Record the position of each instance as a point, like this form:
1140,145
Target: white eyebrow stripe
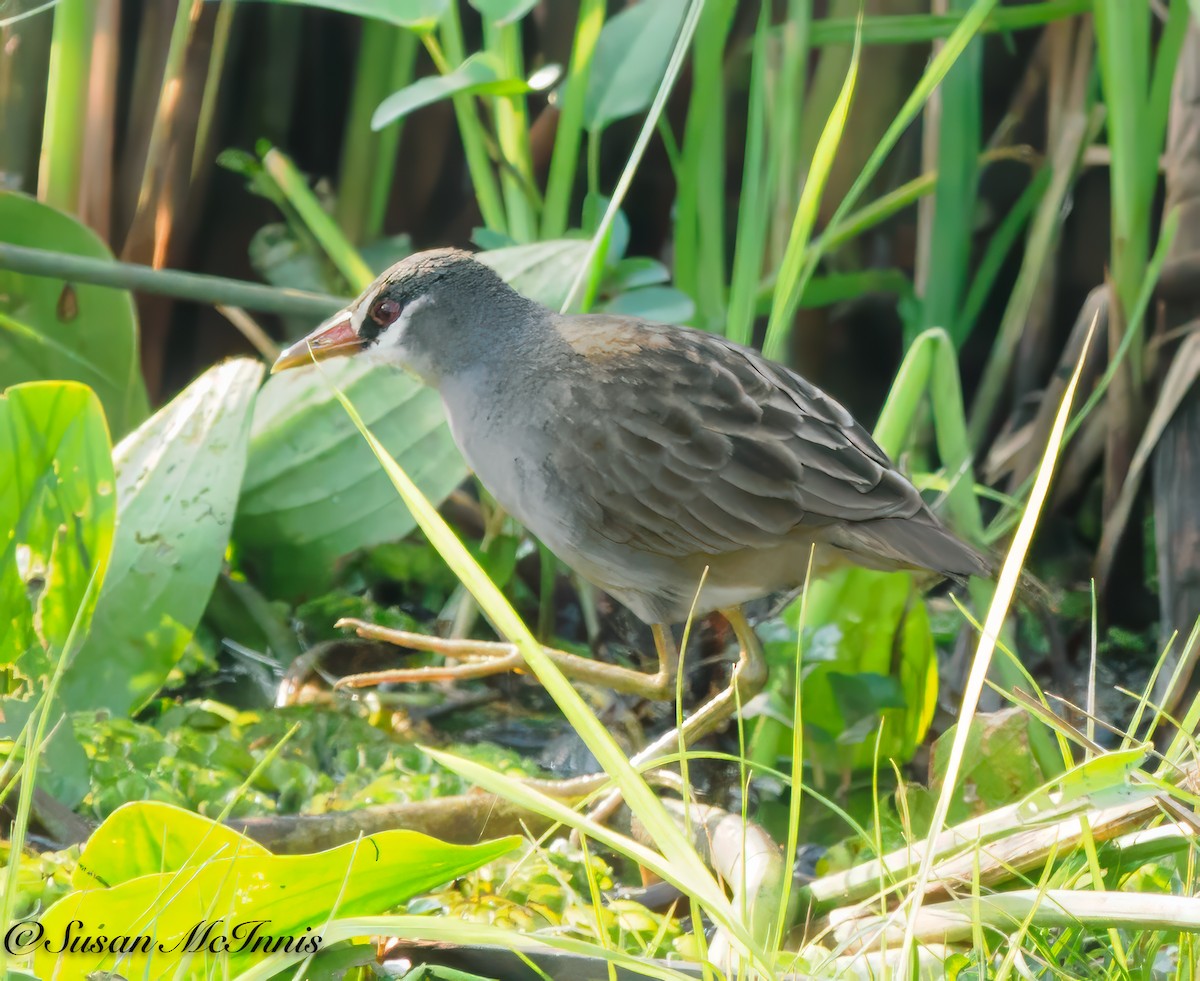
358,313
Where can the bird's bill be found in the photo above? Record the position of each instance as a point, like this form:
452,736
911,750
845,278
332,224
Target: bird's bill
334,338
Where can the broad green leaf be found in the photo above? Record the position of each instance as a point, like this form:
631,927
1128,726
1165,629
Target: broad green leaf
248,896
542,271
57,510
147,837
313,490
635,272
630,60
51,329
875,643
178,477
503,11
662,303
481,74
419,15
1000,765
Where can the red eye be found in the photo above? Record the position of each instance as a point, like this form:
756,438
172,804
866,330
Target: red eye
385,310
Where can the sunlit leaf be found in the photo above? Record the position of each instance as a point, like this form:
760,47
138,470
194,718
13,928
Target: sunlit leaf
178,477
146,837
246,896
58,508
879,667
51,329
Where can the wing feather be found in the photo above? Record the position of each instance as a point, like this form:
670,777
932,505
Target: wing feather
709,448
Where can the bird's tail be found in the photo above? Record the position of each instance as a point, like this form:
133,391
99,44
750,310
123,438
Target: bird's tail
925,543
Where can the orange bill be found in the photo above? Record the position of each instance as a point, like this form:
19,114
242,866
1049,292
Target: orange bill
334,338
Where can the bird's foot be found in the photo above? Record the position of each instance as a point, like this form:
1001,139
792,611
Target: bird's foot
481,658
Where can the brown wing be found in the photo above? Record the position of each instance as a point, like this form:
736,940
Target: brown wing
710,448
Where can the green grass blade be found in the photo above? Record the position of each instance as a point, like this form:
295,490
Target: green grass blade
789,87
589,268
944,245
754,208
792,279
993,623
934,74
565,158
1078,133
700,196
61,164
511,116
474,135
919,28
385,64
998,248
318,221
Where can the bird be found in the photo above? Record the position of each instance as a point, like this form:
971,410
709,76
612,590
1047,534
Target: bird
675,470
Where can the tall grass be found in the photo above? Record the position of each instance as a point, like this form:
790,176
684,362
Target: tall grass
60,170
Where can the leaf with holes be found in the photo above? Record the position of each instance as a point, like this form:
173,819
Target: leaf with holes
178,478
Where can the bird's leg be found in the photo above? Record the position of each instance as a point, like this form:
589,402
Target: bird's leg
748,679
483,658
490,657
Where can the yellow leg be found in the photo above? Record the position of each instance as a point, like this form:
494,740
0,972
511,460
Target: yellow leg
483,658
748,679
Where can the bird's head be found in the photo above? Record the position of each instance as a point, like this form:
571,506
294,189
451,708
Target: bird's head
429,314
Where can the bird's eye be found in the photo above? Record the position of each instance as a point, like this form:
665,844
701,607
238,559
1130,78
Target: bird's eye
385,310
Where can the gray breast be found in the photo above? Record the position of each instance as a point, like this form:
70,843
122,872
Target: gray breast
512,439
502,430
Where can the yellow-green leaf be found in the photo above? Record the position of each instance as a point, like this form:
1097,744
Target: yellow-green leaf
221,916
